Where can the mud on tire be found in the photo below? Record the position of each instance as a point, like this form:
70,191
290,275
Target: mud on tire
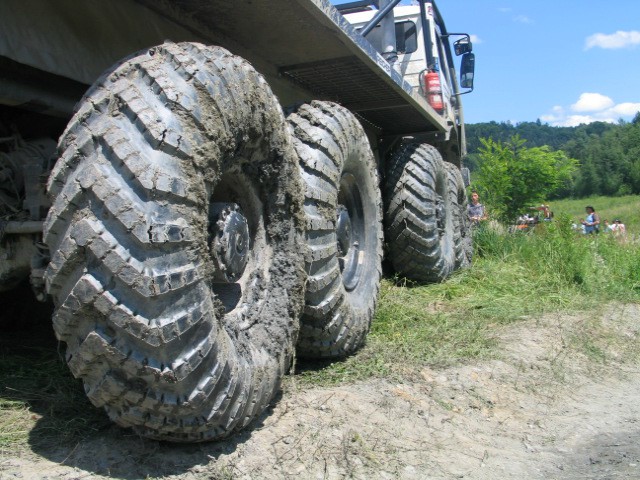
344,229
463,246
419,216
156,143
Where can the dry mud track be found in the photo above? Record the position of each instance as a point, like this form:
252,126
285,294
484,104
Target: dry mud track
543,411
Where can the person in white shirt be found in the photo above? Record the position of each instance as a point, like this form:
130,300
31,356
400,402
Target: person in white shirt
618,228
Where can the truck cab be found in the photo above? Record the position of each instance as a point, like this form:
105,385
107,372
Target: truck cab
415,41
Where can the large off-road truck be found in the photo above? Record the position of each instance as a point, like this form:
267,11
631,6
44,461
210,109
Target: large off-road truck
206,187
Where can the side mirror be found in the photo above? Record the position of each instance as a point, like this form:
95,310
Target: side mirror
467,69
462,46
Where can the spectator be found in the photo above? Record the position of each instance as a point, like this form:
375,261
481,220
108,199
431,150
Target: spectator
547,214
592,221
618,228
475,210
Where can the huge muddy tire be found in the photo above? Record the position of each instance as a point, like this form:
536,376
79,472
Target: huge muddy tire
419,215
458,208
344,229
174,231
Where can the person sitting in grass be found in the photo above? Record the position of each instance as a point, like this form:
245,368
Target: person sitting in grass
547,214
618,228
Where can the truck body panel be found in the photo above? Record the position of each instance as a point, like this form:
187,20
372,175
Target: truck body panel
305,48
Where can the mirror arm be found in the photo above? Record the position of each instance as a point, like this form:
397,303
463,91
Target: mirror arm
457,94
465,35
445,35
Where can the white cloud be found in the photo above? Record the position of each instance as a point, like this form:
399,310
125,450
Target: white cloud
475,39
550,119
592,102
556,115
626,109
619,39
522,19
575,120
590,107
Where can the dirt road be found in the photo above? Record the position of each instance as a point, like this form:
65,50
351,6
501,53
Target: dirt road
542,411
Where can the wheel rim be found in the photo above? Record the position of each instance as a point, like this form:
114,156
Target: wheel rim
441,215
236,240
350,232
229,240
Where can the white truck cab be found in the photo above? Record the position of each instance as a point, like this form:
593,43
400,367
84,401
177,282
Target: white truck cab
419,50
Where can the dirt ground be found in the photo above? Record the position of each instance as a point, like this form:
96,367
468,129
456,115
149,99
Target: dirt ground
543,411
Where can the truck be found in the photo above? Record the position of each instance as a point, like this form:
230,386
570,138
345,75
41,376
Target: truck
207,189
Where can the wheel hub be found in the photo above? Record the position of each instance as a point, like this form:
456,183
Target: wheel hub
441,214
229,241
343,230
350,231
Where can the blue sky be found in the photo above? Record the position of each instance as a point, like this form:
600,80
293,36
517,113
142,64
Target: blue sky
565,62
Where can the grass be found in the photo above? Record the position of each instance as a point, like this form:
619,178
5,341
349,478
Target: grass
552,269
40,402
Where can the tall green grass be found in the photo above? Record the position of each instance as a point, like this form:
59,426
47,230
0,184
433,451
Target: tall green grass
559,259
514,276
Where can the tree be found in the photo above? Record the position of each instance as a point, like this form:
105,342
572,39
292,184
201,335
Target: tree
609,154
512,177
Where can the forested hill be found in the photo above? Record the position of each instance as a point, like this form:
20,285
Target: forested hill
536,134
609,154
